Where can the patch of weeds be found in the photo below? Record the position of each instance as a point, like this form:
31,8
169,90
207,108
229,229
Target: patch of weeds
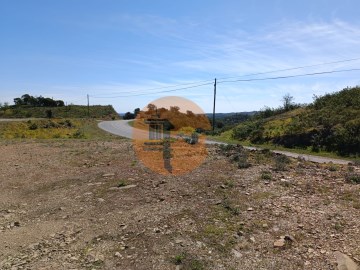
78,134
33,126
353,177
332,167
133,163
214,230
188,262
226,204
266,175
338,226
178,259
348,196
281,162
229,183
122,183
261,195
196,264
242,160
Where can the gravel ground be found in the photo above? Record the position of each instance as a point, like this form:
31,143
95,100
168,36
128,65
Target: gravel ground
91,205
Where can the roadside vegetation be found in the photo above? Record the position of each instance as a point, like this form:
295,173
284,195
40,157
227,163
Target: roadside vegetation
330,124
53,129
28,106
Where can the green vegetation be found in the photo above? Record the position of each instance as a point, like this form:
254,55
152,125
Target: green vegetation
27,100
266,175
52,129
122,183
28,106
187,262
353,177
70,111
331,123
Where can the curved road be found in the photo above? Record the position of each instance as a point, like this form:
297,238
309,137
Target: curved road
122,128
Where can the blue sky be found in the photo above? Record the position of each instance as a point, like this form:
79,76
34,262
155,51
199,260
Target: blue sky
116,50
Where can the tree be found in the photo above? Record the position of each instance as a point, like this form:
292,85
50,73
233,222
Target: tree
128,116
18,101
288,102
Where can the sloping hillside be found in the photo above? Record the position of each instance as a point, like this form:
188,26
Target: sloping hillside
331,123
71,111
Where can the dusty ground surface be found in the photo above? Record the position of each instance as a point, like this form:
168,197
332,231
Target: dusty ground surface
61,208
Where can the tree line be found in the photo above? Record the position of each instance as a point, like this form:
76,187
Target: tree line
40,101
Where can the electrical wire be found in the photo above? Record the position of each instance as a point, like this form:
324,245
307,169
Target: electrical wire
166,91
156,88
145,91
290,76
294,68
240,80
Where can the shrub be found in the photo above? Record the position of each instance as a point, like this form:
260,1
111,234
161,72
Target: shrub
33,126
281,162
243,162
353,177
266,175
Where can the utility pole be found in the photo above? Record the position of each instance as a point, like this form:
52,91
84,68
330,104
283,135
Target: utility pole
213,121
88,105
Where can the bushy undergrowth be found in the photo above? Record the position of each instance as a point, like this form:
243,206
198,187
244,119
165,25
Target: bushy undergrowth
42,129
331,123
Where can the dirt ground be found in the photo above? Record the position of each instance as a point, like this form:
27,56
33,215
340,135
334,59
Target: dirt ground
76,204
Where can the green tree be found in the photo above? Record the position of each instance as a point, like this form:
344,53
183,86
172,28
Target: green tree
288,102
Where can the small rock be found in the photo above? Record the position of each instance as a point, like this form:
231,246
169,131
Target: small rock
178,241
127,187
108,174
236,253
117,254
250,209
279,243
101,200
345,262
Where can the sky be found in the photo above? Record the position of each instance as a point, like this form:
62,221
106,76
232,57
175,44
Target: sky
128,53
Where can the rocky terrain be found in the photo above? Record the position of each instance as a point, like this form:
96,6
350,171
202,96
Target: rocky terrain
75,204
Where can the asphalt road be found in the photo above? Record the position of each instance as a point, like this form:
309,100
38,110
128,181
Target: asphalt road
122,128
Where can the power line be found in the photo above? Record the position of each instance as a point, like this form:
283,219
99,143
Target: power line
291,76
166,91
157,88
144,91
239,80
294,68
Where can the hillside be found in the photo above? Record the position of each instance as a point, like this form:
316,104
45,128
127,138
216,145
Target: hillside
71,111
331,123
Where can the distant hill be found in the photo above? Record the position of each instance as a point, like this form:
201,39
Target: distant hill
331,123
70,111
